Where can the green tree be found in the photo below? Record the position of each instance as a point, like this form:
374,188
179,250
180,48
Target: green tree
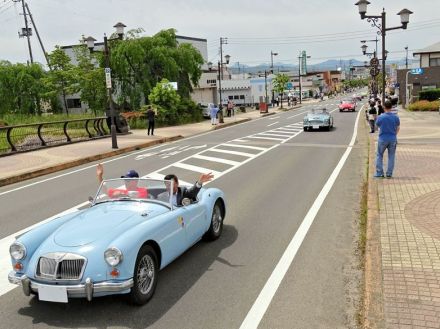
139,63
166,100
279,84
91,79
21,88
62,78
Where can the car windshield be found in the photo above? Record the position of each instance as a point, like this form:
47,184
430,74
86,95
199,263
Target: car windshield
135,189
318,111
347,101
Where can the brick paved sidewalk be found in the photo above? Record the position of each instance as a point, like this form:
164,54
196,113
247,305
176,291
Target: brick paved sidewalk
409,219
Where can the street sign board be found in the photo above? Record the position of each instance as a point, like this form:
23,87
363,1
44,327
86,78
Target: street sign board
289,85
417,71
374,61
374,71
108,78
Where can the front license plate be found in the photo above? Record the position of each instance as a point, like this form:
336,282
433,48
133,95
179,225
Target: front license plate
53,294
315,127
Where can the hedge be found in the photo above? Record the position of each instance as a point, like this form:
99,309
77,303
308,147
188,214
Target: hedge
430,94
424,106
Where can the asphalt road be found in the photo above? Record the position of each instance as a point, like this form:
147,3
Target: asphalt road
271,172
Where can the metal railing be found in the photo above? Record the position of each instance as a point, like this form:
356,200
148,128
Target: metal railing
22,138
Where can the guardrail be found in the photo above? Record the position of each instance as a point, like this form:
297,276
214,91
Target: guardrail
22,138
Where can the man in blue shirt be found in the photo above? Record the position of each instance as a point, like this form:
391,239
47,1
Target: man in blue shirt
389,126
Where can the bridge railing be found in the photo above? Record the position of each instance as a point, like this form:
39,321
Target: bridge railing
21,138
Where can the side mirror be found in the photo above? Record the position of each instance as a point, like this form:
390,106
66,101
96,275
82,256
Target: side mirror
186,202
90,199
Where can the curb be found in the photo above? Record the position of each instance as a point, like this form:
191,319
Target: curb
225,125
373,298
78,162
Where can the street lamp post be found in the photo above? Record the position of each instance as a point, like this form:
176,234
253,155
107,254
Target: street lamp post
91,44
220,76
374,20
272,54
406,58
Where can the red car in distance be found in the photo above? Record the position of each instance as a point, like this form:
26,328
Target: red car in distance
347,105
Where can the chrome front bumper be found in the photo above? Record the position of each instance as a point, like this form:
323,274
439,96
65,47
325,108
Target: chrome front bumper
87,289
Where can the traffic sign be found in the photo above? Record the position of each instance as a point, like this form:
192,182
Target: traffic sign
108,78
374,71
417,71
289,85
374,61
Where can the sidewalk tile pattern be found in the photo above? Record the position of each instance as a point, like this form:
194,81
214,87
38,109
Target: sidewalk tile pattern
410,238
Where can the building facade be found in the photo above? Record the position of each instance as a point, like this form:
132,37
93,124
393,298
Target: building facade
411,84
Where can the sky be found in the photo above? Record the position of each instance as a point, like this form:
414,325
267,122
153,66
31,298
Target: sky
326,29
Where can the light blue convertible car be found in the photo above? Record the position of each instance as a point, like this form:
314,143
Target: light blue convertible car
117,245
318,118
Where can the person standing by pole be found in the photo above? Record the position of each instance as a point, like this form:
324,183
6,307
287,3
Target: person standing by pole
150,118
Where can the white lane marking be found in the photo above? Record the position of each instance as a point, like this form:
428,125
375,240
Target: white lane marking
195,168
284,133
5,242
268,138
70,172
220,160
272,133
249,155
259,308
246,146
272,124
125,156
274,118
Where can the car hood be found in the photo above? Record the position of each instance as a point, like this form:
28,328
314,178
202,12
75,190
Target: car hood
101,223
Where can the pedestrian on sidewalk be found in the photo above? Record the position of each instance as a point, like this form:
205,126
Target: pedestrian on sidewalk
379,106
213,113
150,118
389,126
230,107
372,115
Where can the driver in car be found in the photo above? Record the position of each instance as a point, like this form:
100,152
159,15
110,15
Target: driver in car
131,185
180,193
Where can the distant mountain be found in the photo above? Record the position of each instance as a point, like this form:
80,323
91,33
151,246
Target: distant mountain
332,64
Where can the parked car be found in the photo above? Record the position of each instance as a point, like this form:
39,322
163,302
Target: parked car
347,105
117,245
318,118
206,109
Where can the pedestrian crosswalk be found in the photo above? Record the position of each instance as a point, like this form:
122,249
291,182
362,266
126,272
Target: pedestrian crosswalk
229,155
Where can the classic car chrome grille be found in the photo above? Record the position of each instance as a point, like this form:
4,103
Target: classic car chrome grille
316,122
60,266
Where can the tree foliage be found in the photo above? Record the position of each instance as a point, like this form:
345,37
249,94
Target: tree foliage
166,100
139,63
21,88
279,84
61,79
90,79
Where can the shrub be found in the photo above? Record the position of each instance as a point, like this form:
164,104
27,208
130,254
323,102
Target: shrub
424,106
430,94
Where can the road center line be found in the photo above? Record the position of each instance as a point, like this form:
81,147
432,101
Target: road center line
272,124
259,308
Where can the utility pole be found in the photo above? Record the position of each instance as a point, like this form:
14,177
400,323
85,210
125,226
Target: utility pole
406,59
38,35
26,32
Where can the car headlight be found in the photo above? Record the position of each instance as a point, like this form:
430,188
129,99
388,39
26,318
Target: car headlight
113,256
17,251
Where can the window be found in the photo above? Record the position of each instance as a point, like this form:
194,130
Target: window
74,103
434,62
241,96
231,97
236,97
